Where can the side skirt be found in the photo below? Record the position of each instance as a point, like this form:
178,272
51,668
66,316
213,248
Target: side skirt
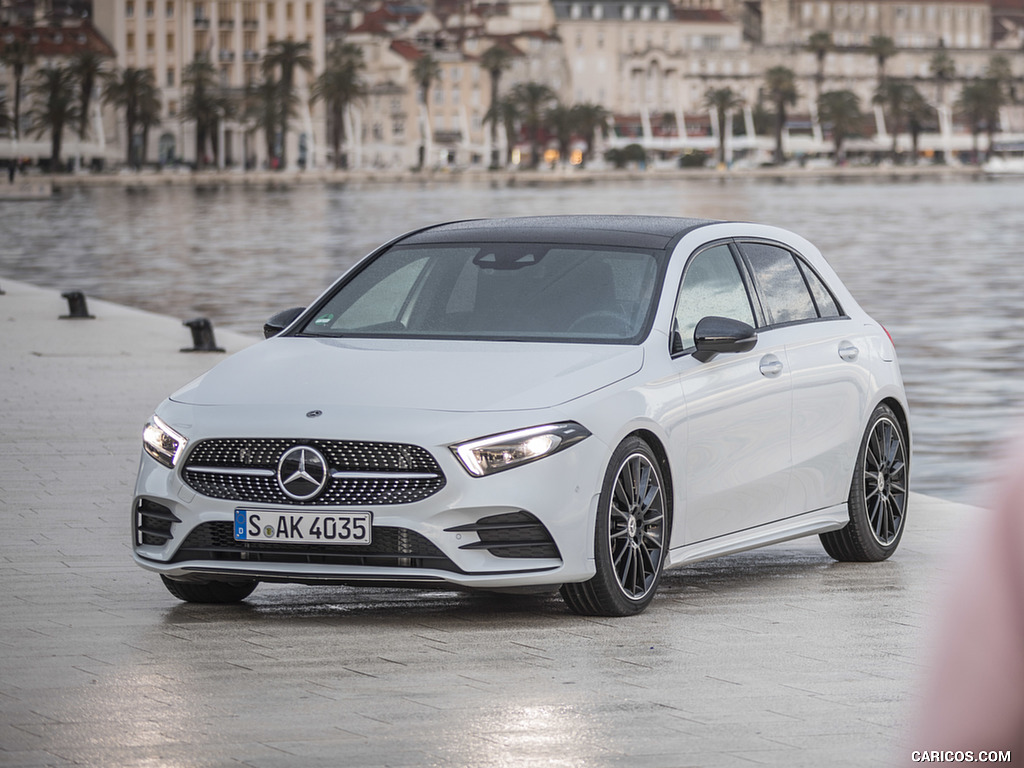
808,524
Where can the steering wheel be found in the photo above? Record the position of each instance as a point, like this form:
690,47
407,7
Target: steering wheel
602,320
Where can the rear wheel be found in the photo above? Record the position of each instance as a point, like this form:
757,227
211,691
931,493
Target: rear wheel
630,536
878,494
209,591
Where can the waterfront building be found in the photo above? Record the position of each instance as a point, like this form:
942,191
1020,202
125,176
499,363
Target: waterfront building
167,35
647,59
390,125
650,63
49,38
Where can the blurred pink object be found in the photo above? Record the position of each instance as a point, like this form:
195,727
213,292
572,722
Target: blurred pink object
974,696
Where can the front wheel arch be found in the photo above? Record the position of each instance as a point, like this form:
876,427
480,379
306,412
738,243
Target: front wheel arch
658,449
630,535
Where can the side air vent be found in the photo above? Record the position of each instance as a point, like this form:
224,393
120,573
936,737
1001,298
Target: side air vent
515,534
153,523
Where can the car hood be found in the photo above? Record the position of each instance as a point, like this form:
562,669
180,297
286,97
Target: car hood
455,376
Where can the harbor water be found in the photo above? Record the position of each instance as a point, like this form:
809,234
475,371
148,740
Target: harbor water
938,261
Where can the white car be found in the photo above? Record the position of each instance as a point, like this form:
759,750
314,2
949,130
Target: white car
529,403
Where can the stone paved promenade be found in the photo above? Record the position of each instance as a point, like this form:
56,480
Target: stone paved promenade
779,657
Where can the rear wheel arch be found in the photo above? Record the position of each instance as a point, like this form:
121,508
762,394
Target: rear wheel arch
901,418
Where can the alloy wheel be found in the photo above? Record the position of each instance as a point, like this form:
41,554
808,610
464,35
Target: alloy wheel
636,526
885,481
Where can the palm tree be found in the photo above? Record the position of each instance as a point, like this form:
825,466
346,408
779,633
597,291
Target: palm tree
87,67
131,89
55,106
533,99
425,71
1000,70
205,105
5,115
261,111
840,110
338,86
506,112
18,55
495,61
943,69
979,103
782,92
148,117
589,119
286,56
819,43
720,101
559,119
882,48
918,111
894,97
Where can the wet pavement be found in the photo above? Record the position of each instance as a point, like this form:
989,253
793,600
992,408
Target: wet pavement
776,657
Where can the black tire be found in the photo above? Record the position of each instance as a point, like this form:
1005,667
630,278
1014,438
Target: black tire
209,591
630,536
878,494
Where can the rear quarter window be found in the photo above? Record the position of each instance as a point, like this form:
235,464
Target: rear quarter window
790,291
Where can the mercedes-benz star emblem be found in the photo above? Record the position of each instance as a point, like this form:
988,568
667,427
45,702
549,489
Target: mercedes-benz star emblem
302,472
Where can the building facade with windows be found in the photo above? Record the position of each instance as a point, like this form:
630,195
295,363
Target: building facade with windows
911,24
166,35
391,124
651,62
51,39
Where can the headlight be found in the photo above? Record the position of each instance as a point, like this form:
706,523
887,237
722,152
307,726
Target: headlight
163,443
510,449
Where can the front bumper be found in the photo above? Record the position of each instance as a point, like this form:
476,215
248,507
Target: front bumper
449,537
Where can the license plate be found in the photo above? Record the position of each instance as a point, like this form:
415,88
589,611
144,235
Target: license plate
303,527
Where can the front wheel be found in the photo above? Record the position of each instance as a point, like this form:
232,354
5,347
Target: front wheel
630,536
209,591
878,494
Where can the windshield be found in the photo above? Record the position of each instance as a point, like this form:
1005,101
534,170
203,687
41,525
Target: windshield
517,291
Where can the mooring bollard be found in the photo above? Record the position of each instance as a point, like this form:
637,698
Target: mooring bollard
202,336
77,309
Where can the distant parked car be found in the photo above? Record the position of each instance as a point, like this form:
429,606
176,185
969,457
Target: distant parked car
524,403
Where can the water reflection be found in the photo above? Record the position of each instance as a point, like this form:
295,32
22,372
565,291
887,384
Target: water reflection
937,262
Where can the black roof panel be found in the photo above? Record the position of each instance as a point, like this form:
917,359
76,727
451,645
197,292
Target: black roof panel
590,229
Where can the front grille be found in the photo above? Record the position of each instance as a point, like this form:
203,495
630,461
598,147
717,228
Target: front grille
153,523
515,534
374,473
390,548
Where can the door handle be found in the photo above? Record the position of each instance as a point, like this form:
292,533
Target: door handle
848,351
770,366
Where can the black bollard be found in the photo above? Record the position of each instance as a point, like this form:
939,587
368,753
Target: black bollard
77,309
202,336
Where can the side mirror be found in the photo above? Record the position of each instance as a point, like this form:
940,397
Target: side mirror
722,334
280,321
